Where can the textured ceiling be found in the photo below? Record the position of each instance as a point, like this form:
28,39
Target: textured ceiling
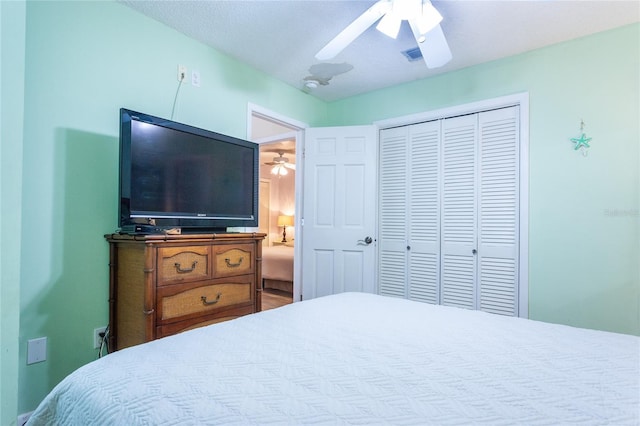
281,38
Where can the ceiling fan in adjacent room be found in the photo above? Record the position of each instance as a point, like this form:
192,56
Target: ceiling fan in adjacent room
422,17
280,164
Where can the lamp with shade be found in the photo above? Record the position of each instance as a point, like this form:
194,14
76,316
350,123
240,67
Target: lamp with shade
285,221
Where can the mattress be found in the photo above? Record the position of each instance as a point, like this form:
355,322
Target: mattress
277,263
356,358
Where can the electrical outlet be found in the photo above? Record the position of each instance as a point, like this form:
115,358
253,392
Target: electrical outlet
22,418
97,338
182,73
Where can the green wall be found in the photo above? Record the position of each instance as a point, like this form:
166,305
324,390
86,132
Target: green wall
85,60
12,28
584,223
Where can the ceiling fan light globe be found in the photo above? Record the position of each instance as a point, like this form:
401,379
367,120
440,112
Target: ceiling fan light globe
428,19
389,25
407,9
279,170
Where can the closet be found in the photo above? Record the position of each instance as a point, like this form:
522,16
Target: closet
448,211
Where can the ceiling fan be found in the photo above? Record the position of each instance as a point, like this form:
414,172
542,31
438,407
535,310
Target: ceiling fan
423,19
280,165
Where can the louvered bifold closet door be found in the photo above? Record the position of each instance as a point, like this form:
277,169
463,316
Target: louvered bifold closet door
498,211
423,216
449,212
392,229
458,198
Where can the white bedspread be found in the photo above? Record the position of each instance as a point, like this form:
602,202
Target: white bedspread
360,359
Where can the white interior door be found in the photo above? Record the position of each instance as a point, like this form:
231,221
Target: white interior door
339,210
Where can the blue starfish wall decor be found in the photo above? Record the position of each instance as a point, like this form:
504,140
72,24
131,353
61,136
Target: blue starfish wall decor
582,142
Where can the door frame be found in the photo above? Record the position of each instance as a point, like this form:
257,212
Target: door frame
297,127
267,183
518,99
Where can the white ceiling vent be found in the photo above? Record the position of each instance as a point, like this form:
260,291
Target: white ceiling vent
412,54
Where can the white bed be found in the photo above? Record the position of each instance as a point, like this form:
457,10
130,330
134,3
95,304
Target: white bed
277,268
357,358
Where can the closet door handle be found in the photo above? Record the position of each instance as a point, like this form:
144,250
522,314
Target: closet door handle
474,251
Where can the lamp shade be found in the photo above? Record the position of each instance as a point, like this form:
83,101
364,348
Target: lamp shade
285,220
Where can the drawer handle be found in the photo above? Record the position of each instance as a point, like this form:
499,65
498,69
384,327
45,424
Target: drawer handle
233,265
185,271
205,302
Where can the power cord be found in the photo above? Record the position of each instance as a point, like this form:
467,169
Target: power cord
104,343
173,109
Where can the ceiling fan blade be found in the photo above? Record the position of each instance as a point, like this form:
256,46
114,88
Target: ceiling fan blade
435,49
353,30
290,166
279,151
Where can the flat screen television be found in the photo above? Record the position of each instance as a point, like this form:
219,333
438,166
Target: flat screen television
173,175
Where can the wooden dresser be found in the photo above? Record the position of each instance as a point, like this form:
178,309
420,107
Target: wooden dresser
164,284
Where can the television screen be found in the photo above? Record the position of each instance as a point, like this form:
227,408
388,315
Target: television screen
176,175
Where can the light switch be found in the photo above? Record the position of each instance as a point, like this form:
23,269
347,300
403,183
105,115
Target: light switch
195,78
36,350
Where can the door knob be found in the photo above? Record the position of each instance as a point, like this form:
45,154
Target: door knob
474,251
366,241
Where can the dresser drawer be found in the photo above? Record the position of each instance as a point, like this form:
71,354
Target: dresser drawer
190,324
191,300
230,260
181,264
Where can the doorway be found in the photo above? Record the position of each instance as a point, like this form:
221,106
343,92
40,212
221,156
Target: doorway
280,143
